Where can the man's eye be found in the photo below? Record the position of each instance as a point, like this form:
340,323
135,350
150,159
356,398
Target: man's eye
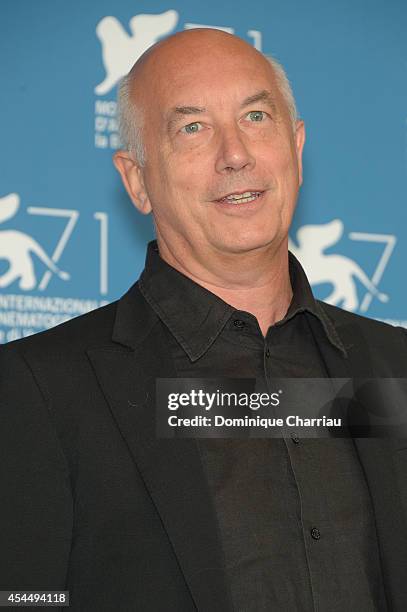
256,115
191,128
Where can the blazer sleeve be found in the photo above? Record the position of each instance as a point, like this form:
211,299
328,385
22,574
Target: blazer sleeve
36,512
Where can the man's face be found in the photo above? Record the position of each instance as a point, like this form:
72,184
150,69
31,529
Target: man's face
223,165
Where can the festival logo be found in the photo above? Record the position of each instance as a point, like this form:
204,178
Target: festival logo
346,276
120,50
27,269
19,249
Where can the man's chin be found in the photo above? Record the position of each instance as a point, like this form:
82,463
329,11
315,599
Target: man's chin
249,244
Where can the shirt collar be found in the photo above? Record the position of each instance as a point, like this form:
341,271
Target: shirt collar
195,316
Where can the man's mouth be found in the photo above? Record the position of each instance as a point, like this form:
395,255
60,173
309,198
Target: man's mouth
241,198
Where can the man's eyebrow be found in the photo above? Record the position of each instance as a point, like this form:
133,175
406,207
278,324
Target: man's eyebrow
177,112
262,96
187,110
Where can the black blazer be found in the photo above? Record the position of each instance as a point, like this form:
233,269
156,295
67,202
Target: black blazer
94,503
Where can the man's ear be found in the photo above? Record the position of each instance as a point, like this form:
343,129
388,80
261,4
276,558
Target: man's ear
132,177
299,145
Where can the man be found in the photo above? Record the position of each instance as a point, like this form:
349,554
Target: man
94,502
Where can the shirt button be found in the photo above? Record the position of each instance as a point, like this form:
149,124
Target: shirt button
267,352
315,533
239,323
295,439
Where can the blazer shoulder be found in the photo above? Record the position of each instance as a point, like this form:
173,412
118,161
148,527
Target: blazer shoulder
375,332
53,363
74,335
104,327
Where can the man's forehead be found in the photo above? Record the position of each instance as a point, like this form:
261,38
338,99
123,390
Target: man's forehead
260,97
192,90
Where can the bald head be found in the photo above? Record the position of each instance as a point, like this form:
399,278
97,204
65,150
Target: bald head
189,45
162,65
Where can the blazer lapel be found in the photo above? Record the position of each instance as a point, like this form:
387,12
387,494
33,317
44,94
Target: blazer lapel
171,468
384,462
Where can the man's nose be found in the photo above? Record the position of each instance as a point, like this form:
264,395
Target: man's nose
233,152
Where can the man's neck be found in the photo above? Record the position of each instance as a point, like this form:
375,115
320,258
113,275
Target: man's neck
259,284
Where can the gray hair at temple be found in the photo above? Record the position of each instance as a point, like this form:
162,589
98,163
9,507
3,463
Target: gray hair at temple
131,121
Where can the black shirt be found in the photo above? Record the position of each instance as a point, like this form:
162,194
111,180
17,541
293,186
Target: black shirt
294,515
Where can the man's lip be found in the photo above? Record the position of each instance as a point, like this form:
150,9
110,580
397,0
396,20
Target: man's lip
239,193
